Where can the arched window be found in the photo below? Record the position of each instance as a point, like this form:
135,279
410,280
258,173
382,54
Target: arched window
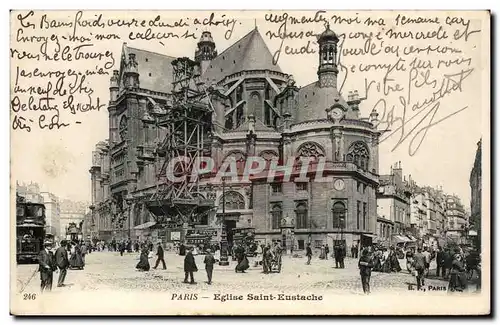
301,215
232,201
276,215
330,54
358,154
267,92
339,212
239,93
240,116
123,128
229,122
310,149
325,54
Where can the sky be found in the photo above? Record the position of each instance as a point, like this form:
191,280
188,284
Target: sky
59,160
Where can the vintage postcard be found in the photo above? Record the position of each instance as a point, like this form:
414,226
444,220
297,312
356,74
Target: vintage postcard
250,162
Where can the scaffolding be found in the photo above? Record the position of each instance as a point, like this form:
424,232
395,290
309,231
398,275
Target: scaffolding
187,125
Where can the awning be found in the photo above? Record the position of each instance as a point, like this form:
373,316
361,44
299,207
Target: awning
401,239
145,225
411,238
369,235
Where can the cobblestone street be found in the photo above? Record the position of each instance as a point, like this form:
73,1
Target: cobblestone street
110,271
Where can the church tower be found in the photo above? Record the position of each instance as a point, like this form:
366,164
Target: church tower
327,69
206,51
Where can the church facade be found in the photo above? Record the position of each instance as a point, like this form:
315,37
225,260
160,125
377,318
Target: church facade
260,112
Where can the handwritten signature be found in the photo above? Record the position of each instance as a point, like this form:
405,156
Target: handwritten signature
426,110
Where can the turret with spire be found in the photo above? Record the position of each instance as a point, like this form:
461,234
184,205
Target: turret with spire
327,69
206,51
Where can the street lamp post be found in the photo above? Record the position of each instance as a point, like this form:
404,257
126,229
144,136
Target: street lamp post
128,200
223,244
92,224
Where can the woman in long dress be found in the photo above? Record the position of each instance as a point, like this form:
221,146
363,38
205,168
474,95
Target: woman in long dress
76,260
394,262
243,263
143,264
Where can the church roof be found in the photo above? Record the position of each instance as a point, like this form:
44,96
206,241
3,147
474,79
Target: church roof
155,70
249,53
313,101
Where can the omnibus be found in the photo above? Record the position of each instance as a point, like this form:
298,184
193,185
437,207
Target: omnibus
30,230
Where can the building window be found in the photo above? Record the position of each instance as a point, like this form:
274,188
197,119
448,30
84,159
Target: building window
339,212
276,215
311,149
240,118
364,188
276,188
365,211
232,201
239,93
301,215
301,186
229,122
358,216
318,243
359,155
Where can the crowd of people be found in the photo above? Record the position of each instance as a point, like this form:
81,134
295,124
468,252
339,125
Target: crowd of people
452,264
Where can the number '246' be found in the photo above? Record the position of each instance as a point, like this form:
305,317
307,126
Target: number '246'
29,296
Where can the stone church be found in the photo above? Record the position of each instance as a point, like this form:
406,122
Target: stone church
262,112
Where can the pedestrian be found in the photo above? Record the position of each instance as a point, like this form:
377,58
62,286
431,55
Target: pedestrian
209,265
427,255
457,273
143,264
309,253
419,267
189,266
182,249
336,252
355,251
62,262
447,263
439,262
365,265
84,250
327,251
342,255
160,253
47,266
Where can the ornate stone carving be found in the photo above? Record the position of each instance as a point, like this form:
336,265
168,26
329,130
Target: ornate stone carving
123,128
310,149
268,155
233,201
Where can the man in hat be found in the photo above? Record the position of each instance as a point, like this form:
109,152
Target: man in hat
160,253
189,266
209,265
47,266
62,262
